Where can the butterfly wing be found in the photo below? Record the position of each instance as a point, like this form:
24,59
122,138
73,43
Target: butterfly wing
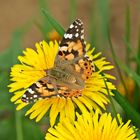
39,90
46,87
72,49
72,44
71,52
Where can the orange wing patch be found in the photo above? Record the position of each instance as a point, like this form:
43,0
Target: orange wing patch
73,50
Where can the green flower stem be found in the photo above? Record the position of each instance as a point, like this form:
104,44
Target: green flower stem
129,110
18,125
117,63
111,101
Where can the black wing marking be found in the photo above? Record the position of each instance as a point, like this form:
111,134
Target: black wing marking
72,44
38,90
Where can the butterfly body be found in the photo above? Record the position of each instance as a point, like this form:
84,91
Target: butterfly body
71,69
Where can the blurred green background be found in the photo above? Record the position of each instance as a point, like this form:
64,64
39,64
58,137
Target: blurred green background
107,23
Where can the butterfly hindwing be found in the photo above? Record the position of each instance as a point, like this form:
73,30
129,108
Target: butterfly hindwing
39,90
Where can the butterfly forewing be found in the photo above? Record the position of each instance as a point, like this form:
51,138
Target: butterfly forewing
72,44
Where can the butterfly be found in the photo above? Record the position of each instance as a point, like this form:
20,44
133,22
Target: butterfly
72,67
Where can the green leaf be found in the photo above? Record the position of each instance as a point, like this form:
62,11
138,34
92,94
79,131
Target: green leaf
53,22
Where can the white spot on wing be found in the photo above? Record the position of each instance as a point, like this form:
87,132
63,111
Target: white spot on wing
82,36
70,36
76,21
64,48
76,35
71,26
82,31
58,95
35,96
30,91
38,84
24,96
65,35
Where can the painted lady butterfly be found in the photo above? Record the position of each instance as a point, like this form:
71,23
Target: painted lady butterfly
71,69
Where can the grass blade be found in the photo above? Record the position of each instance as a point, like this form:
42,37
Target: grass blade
73,9
18,125
137,88
138,54
103,6
127,36
53,22
117,63
43,25
129,110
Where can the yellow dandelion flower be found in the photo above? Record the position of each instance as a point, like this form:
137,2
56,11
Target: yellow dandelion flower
91,126
32,68
61,80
